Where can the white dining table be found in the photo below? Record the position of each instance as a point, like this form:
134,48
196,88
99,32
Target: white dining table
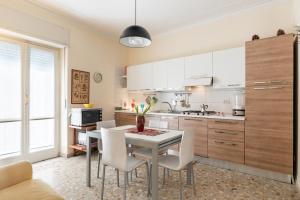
156,143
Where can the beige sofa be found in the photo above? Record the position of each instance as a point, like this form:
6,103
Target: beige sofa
16,183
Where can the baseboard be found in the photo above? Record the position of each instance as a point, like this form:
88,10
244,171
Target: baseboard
248,170
66,155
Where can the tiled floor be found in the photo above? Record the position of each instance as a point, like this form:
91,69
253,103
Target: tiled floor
67,176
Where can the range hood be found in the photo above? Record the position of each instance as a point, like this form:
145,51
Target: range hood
198,80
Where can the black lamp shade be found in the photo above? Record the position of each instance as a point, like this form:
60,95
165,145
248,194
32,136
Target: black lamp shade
135,37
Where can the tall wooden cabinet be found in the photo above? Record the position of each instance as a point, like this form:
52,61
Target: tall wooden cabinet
269,103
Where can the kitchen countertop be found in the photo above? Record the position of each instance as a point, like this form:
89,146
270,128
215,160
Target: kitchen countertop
226,116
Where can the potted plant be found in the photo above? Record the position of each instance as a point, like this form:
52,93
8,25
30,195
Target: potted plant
140,116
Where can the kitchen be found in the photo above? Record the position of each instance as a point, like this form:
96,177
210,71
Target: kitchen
221,96
152,99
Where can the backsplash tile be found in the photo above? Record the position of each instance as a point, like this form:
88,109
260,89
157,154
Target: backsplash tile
219,100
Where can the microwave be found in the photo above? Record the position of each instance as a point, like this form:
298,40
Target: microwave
85,116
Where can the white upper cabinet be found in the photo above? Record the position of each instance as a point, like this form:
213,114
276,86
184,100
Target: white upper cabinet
175,74
197,68
229,68
160,76
140,77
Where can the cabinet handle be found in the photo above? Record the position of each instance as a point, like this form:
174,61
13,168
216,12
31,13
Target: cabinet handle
223,132
226,143
168,117
267,88
260,82
193,119
226,122
231,144
218,142
231,85
269,82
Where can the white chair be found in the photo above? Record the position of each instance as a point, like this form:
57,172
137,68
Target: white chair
118,157
183,160
104,124
158,124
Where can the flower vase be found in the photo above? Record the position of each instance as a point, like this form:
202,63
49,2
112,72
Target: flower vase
140,123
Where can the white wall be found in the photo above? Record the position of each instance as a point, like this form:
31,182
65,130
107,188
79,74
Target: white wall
88,50
296,12
226,32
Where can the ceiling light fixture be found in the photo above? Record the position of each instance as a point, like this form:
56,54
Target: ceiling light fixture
135,36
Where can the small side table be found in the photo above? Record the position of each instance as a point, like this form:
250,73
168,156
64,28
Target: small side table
79,147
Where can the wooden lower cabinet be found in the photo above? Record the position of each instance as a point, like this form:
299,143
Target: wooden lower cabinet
226,140
199,127
226,150
123,119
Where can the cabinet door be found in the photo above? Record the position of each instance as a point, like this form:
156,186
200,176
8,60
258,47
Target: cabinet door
229,68
123,119
140,77
199,127
160,76
145,76
175,73
270,60
198,66
269,128
132,78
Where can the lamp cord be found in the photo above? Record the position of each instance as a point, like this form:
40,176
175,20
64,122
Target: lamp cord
135,12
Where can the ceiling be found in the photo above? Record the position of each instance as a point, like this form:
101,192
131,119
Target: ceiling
158,16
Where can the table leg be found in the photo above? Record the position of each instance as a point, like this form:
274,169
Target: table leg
154,173
88,161
189,174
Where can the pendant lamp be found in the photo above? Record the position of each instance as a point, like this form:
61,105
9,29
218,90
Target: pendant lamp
135,36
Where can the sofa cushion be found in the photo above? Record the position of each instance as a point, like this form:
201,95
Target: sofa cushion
14,174
29,190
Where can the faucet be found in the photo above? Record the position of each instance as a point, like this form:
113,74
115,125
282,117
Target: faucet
171,109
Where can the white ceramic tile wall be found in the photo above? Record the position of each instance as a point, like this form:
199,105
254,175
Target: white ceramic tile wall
219,100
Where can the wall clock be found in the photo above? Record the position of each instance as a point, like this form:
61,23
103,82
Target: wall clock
97,77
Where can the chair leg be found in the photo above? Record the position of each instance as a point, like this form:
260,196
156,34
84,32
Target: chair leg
164,176
193,179
127,178
136,173
148,179
99,158
125,184
150,176
118,179
131,176
103,179
180,184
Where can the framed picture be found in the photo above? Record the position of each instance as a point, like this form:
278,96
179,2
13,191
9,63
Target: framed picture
80,87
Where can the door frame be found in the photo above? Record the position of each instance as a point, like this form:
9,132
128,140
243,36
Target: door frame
25,153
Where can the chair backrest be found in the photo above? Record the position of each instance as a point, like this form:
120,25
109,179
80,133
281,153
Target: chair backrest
104,124
186,152
114,152
158,124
